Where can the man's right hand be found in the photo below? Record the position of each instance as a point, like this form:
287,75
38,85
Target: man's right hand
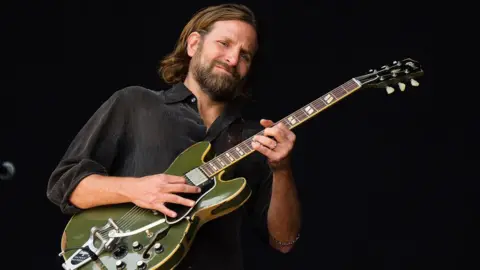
151,192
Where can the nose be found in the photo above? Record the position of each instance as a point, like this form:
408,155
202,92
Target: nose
232,58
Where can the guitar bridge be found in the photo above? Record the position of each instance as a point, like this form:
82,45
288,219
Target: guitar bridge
81,257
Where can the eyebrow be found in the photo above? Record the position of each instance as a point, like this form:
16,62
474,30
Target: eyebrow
249,52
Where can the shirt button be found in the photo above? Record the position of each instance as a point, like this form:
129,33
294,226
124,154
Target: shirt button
193,99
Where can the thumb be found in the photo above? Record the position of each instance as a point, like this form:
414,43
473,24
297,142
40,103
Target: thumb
266,123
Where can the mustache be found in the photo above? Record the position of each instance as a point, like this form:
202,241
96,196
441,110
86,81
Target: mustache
230,69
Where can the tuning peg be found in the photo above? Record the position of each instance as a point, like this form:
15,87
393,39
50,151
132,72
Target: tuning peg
414,83
390,89
401,86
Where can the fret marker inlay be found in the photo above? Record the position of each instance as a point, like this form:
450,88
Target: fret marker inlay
309,110
292,120
328,98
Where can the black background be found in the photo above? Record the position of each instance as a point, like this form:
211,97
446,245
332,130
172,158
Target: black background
364,168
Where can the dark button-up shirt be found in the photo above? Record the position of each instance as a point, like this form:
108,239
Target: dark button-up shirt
139,132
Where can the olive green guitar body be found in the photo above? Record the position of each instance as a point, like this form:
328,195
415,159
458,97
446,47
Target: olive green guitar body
125,236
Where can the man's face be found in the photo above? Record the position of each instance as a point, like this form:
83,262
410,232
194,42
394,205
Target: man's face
223,58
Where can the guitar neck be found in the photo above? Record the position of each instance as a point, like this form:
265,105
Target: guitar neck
243,149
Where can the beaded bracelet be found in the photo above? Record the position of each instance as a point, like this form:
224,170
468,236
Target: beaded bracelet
285,243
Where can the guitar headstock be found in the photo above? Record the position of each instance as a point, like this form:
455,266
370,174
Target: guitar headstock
389,76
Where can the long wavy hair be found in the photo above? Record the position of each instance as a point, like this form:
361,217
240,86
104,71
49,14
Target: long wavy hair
174,67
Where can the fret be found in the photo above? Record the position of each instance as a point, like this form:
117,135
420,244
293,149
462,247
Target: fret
344,89
247,145
319,104
223,161
339,92
217,164
239,150
289,122
295,117
292,119
227,154
234,154
210,169
351,85
242,148
214,168
206,169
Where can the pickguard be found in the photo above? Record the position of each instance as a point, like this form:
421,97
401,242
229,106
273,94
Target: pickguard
183,210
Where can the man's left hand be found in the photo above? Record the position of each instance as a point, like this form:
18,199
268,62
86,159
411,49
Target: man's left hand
278,149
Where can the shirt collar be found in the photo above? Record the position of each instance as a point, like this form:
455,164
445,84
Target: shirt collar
178,92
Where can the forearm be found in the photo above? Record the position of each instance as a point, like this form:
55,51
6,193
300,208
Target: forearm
96,190
284,211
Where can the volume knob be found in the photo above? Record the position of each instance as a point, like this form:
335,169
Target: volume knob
141,265
158,247
120,264
136,246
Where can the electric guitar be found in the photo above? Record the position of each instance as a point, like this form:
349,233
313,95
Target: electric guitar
125,236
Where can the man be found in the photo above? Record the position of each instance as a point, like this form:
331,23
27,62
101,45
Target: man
122,151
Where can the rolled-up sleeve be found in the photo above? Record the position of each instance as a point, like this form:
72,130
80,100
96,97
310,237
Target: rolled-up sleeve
92,151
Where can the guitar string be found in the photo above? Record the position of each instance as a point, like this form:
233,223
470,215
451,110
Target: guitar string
126,221
129,218
133,217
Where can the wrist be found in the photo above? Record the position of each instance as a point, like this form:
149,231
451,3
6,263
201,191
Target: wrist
126,187
285,243
285,170
284,165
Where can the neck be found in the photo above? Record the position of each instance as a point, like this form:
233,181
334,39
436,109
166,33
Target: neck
209,110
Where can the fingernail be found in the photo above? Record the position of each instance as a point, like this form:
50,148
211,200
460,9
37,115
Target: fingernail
192,203
199,189
174,214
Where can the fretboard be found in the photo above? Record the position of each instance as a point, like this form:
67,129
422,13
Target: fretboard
243,149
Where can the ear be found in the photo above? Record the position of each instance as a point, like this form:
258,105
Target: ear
193,40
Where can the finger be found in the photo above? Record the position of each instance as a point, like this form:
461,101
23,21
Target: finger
176,179
266,123
183,188
162,208
262,149
283,127
285,132
275,132
265,141
168,197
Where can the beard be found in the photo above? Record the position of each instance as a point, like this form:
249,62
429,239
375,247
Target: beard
219,86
